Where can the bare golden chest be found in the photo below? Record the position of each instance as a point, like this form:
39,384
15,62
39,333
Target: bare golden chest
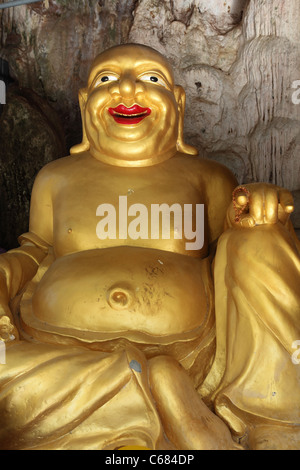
130,206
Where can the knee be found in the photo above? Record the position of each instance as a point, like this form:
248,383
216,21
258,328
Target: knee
161,369
261,242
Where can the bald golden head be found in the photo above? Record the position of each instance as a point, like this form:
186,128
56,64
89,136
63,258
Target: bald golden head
127,55
132,112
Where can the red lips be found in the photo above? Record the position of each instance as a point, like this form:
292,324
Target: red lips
133,115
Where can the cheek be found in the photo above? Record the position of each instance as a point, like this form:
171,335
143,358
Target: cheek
96,104
166,106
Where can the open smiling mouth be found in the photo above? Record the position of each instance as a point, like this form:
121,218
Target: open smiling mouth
133,115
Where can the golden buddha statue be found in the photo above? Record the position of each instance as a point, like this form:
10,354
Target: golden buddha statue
120,334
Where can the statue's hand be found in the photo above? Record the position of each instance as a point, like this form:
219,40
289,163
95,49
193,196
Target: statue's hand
6,329
260,204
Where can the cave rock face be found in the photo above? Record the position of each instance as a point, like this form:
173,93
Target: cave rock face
239,63
31,136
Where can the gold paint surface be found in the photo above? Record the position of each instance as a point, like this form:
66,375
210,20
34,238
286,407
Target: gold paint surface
129,343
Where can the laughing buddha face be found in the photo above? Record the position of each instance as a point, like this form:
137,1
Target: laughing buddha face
131,110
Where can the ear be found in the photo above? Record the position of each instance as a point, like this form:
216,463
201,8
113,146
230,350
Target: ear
85,145
181,99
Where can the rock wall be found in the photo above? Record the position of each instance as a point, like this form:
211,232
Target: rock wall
238,73
237,59
30,137
50,46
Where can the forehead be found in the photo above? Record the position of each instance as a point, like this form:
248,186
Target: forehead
134,58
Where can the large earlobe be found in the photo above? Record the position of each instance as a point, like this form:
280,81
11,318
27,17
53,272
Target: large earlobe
181,145
85,145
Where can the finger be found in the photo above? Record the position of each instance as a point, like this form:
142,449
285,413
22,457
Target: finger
6,319
271,207
247,221
286,200
257,207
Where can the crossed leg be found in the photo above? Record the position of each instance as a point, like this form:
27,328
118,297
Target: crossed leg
187,421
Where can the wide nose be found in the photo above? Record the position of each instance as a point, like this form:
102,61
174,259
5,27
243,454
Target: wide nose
127,86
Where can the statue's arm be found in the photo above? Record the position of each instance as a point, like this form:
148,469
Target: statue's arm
18,266
219,183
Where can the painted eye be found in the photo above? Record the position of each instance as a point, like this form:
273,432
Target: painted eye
155,79
104,79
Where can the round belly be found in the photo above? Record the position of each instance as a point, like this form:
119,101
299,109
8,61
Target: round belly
122,290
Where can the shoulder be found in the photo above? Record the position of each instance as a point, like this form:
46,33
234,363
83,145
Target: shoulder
208,173
56,167
55,171
212,172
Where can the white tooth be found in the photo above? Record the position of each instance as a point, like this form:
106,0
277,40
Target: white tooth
131,115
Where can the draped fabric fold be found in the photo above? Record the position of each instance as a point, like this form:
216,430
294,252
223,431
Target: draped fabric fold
253,378
55,397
